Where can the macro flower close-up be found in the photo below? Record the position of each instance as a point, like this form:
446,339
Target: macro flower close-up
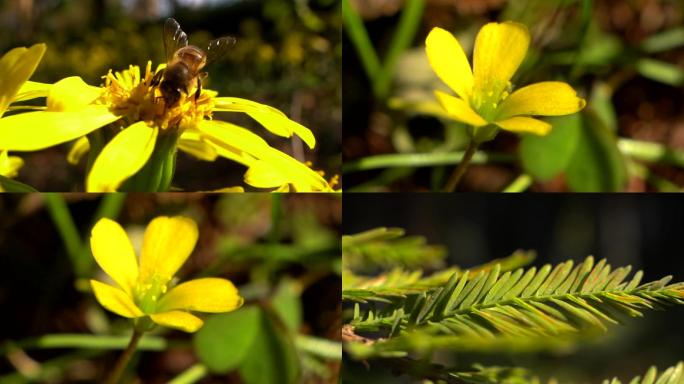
126,129
144,289
484,93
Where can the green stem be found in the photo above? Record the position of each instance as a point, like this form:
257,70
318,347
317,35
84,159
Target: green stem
156,174
125,357
72,340
191,375
458,173
414,160
327,349
520,184
359,37
403,37
61,217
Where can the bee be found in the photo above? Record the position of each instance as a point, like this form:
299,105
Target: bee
184,62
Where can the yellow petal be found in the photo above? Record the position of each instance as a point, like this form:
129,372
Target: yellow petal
499,50
239,143
459,110
32,131
229,190
78,149
550,98
16,67
31,90
122,157
449,61
277,169
525,125
261,174
115,300
168,242
9,165
204,295
192,143
183,321
114,253
71,94
271,118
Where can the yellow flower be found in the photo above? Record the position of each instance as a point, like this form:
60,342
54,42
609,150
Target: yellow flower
16,67
144,289
139,121
484,99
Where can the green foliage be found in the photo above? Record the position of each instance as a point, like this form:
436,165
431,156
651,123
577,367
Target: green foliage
556,148
496,307
387,248
240,327
493,375
672,375
9,185
251,341
550,301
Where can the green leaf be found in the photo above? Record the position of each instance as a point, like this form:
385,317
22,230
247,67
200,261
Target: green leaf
597,165
661,71
9,185
546,156
664,41
272,358
287,304
225,339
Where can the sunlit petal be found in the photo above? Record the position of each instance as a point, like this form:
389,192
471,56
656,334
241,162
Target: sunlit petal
271,118
32,131
122,157
203,295
71,94
16,67
183,321
168,242
114,253
522,124
550,98
459,110
193,144
276,168
499,50
115,300
31,90
449,61
239,143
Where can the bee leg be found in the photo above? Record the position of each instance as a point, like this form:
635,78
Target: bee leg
157,78
199,88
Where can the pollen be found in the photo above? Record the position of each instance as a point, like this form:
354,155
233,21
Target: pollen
136,98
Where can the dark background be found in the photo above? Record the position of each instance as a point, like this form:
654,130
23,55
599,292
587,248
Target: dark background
645,231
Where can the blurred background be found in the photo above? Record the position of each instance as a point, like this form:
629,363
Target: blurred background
626,57
643,231
281,251
288,55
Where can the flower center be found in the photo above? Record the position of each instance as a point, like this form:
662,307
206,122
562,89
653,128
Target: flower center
487,98
148,293
136,98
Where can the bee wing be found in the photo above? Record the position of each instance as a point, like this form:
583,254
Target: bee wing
174,38
218,47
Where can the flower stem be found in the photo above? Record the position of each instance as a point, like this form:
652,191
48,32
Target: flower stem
458,173
125,357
